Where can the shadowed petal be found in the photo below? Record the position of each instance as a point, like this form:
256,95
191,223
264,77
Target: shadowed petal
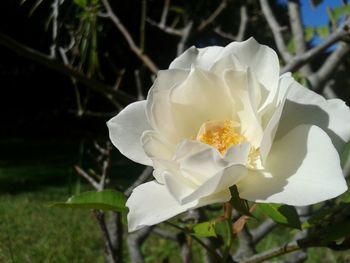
125,131
302,168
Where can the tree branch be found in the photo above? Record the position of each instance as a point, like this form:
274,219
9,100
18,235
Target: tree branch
287,248
142,178
324,73
276,30
136,49
212,17
298,61
262,230
298,32
241,30
53,64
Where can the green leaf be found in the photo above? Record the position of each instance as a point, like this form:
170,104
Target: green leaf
239,204
322,31
282,214
338,12
309,33
81,3
205,229
104,200
344,156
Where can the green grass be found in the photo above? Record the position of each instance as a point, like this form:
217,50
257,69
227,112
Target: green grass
31,231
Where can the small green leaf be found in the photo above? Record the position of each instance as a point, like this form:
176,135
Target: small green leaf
309,33
322,31
205,229
282,214
239,204
104,200
344,156
81,3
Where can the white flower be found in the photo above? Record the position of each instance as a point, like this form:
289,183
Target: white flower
210,122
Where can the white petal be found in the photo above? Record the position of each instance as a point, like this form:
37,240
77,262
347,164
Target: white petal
242,89
260,58
302,168
201,97
158,109
272,126
197,57
304,106
125,131
199,161
151,203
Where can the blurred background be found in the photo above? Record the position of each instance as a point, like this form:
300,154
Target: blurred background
66,67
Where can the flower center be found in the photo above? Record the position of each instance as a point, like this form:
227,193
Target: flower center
220,134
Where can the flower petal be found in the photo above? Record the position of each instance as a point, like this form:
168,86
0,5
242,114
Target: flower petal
304,106
302,168
151,203
125,131
242,86
158,111
272,125
260,58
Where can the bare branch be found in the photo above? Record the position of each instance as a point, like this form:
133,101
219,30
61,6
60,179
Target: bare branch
276,30
242,27
164,13
135,241
261,231
298,61
185,35
88,178
242,24
298,32
166,29
100,217
287,248
136,49
45,60
140,95
319,78
246,245
206,22
142,178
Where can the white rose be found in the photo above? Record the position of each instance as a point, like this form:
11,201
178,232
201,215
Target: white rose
210,122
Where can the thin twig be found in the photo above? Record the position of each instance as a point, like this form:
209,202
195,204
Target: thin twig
88,178
241,30
276,30
184,37
146,173
165,11
206,22
287,248
100,217
45,60
136,49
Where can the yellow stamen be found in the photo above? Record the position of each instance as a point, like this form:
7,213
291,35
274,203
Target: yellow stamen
220,134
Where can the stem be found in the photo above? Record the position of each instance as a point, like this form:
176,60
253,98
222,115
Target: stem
229,242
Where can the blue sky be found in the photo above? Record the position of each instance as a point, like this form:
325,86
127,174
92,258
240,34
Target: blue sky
315,16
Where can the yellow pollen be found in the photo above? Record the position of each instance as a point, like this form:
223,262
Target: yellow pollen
220,134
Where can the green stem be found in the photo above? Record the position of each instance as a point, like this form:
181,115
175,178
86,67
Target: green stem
229,233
